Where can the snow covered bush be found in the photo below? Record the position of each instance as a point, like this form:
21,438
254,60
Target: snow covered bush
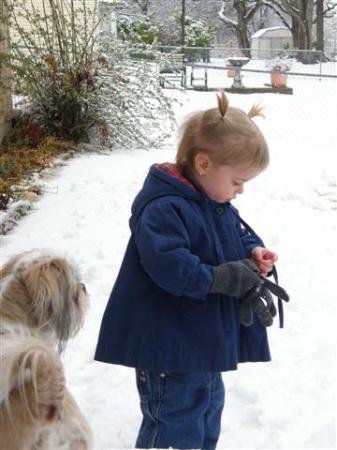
77,80
138,31
197,33
133,107
52,63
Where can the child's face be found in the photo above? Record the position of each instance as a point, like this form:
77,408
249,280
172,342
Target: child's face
223,183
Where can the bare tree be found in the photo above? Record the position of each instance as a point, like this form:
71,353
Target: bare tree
299,17
245,11
301,13
324,9
264,18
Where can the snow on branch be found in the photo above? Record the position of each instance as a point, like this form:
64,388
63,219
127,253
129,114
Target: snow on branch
226,19
330,6
285,6
277,12
252,10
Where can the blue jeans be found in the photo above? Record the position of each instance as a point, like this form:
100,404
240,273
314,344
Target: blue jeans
180,410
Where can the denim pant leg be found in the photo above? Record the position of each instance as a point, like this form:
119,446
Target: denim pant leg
214,412
150,390
180,410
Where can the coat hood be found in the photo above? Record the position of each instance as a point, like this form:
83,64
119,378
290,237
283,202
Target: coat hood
162,180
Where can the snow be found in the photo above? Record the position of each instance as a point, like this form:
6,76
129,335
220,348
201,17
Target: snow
288,403
263,31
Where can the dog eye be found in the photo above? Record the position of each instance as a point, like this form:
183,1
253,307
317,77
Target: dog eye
83,287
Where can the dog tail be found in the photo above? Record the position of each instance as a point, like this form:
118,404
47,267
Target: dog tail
31,375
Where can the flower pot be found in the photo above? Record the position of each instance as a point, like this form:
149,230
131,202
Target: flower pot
279,79
230,70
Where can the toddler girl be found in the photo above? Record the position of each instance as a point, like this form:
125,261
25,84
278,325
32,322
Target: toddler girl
189,301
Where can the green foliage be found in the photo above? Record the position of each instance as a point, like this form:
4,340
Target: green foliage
286,52
197,33
139,31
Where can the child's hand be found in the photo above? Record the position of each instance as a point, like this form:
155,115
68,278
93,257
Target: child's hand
264,259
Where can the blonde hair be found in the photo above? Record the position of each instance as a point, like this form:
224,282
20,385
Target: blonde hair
227,135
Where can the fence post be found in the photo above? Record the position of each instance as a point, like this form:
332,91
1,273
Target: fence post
320,62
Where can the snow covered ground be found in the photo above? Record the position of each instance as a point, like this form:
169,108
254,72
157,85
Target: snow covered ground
286,404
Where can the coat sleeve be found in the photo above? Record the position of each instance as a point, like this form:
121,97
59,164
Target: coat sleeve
162,239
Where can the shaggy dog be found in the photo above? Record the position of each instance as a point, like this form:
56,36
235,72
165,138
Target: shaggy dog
42,305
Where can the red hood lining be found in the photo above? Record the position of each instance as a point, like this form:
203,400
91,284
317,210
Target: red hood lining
171,169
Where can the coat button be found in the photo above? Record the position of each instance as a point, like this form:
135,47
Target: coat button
162,375
219,210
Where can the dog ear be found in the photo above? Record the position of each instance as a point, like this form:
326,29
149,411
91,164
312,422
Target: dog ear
48,285
9,266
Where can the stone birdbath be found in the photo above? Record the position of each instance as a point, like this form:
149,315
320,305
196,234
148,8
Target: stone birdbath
237,63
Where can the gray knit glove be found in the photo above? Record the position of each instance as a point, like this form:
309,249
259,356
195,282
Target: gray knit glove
235,278
260,301
241,279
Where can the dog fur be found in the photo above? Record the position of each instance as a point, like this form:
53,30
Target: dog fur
42,306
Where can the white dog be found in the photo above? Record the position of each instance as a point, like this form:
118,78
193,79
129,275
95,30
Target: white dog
42,305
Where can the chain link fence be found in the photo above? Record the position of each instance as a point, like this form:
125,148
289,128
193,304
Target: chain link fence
210,68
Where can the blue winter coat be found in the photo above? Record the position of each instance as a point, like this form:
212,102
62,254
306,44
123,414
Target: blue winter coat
160,315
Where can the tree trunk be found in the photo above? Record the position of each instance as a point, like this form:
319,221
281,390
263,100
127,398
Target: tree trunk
242,30
295,32
302,31
320,25
5,76
244,44
183,17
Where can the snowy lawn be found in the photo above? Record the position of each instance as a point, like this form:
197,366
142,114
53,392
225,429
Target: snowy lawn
286,404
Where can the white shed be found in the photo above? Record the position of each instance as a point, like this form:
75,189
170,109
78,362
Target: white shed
267,42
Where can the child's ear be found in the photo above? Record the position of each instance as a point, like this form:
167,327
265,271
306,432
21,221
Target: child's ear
202,163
